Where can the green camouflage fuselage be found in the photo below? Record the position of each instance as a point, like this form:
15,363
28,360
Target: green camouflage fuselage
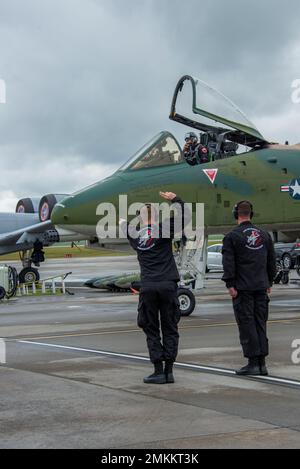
256,176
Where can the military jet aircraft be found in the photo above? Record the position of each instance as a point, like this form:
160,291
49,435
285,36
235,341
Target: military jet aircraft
30,229
242,165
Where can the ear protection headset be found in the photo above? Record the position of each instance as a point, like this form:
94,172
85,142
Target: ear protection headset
235,211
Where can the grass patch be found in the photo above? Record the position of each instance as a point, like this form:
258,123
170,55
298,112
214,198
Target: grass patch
60,252
66,251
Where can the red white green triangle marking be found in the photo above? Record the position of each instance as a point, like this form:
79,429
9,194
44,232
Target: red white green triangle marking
211,174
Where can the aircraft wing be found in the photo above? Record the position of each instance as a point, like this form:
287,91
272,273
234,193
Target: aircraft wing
19,236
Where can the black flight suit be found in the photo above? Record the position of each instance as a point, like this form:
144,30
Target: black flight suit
249,263
158,301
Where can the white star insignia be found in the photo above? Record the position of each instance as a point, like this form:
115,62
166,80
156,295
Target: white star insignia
296,189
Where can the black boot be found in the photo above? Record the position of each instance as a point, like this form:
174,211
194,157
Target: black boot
252,369
262,365
158,376
169,372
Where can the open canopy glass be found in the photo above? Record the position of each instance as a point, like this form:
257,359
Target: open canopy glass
194,98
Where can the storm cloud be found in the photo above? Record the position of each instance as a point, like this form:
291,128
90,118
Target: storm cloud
89,81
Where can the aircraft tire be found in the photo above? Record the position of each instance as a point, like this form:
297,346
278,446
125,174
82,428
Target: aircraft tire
285,278
187,301
2,293
287,261
29,275
278,278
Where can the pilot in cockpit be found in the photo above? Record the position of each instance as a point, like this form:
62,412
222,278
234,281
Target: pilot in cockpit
189,149
194,152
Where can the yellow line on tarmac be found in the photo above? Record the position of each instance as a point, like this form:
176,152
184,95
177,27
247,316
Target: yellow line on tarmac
129,331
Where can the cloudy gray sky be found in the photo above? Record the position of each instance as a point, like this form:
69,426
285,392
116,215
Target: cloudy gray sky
89,81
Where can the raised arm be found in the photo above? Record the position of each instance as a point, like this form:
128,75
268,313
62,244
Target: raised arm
185,215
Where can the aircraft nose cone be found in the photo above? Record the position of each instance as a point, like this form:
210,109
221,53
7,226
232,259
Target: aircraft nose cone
79,210
59,215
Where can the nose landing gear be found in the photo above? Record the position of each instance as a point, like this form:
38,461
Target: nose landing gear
29,275
31,256
187,301
282,275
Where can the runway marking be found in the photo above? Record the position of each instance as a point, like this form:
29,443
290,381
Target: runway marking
209,369
80,349
129,331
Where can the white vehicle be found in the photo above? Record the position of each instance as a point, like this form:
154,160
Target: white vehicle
214,257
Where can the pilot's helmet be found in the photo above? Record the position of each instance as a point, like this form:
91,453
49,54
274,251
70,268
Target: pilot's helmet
191,136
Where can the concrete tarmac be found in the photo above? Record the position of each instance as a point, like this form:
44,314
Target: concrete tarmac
73,376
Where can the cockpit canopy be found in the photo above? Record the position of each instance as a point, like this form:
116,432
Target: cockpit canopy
200,99
161,150
219,142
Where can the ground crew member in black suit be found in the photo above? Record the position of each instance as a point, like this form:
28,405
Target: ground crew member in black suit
249,263
158,302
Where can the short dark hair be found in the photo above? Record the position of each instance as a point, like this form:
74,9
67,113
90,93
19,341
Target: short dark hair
244,209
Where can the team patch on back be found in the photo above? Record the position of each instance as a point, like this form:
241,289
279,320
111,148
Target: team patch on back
254,239
146,239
